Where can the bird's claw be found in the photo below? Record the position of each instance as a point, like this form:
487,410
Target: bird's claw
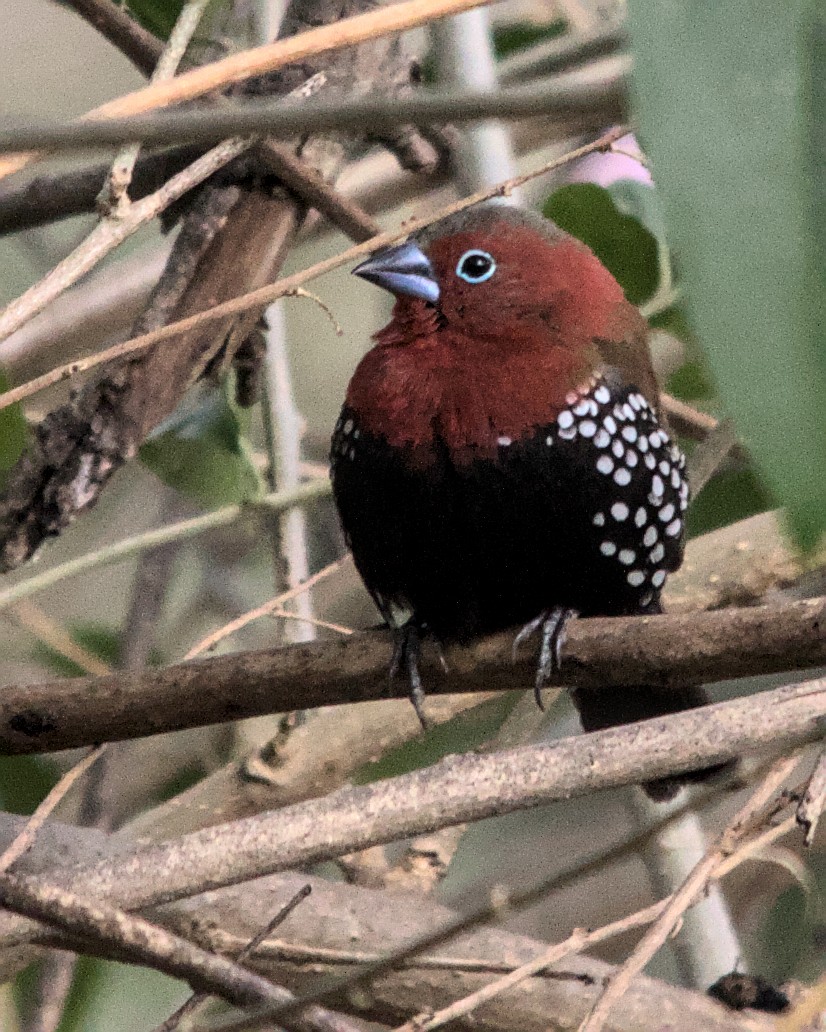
553,625
407,647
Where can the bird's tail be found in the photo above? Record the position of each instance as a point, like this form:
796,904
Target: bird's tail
602,709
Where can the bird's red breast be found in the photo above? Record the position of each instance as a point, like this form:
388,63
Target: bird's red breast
498,358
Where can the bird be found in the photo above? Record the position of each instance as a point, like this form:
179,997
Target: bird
502,459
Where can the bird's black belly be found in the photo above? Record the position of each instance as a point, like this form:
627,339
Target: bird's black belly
478,546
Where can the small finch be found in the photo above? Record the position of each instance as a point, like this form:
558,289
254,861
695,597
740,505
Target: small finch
501,458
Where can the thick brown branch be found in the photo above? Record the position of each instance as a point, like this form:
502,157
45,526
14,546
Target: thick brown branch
110,931
49,198
336,915
120,28
455,790
601,653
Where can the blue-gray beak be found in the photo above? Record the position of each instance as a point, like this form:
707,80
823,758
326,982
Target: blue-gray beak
404,269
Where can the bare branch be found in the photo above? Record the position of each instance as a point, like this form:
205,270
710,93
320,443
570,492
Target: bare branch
557,96
117,25
326,38
24,841
263,296
190,1006
814,799
600,653
110,930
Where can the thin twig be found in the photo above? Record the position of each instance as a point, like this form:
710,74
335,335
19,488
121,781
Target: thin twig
313,621
113,931
326,38
24,841
183,530
190,1006
208,643
265,295
557,97
109,234
691,889
113,198
117,25
813,801
33,619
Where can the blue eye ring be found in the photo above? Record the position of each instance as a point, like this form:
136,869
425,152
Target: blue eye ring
485,266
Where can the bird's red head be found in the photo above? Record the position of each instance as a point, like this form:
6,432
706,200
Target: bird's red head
499,315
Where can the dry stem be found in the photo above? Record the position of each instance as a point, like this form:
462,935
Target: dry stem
373,25
265,295
691,890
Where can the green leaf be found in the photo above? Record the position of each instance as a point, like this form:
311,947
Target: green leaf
13,432
202,451
158,16
620,241
730,101
507,39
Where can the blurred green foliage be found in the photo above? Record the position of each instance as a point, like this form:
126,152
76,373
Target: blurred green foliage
467,731
13,432
620,240
730,99
513,36
203,451
158,16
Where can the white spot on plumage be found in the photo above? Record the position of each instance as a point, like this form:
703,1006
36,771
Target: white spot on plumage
549,440
635,578
602,395
647,598
605,464
608,548
642,443
583,408
619,510
567,434
610,425
649,460
657,485
674,528
348,426
627,411
658,579
618,449
676,479
665,468
504,441
656,554
650,537
627,556
631,458
640,516
565,419
629,433
666,513
619,413
637,401
587,428
603,439
599,519
654,439
571,398
622,477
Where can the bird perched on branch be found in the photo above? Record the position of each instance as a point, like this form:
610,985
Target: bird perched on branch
501,458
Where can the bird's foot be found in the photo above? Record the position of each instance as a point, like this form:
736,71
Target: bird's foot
407,650
553,627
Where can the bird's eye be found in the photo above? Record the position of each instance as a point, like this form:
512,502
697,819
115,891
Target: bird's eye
475,267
